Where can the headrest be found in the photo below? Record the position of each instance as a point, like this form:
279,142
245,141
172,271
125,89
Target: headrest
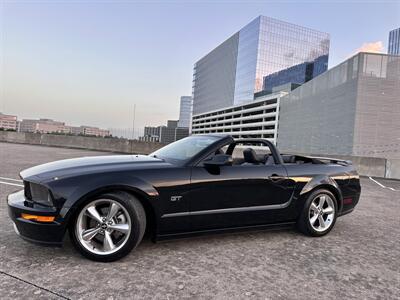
250,156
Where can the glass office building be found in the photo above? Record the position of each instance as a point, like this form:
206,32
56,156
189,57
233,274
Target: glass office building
238,68
394,42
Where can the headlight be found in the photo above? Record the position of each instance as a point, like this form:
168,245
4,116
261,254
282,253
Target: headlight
38,193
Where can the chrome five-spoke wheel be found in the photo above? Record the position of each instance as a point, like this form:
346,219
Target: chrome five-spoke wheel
321,212
107,227
103,226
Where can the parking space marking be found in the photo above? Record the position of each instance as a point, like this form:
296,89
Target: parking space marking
34,285
383,186
13,184
10,179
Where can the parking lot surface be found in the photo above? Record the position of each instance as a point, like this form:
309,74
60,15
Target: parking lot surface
358,259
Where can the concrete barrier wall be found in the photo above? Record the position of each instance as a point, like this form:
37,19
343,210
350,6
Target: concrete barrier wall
367,166
80,142
393,168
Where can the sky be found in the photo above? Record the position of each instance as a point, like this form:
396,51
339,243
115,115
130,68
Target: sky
89,62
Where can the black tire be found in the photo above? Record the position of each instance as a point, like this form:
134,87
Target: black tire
138,226
304,223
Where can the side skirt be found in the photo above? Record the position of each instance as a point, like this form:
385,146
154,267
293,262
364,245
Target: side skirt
189,234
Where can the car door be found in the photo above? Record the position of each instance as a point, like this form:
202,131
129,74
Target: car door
237,195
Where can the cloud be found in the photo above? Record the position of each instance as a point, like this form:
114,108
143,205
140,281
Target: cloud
374,47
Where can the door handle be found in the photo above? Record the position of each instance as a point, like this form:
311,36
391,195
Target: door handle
275,177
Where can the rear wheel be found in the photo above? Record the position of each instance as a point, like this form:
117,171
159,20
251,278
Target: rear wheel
108,227
319,213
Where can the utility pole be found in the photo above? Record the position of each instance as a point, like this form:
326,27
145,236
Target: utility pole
133,121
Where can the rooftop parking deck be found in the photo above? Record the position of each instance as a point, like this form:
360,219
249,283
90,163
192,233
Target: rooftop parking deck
358,259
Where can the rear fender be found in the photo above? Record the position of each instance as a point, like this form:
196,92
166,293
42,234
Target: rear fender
324,181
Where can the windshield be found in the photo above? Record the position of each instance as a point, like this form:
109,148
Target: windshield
184,149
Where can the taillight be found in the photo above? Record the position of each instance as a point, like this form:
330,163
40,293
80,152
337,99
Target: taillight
347,201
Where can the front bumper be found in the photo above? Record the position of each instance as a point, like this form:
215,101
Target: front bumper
51,233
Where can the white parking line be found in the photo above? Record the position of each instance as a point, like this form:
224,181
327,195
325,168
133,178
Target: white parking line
382,186
14,184
10,179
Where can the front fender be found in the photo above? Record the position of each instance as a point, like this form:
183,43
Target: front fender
72,191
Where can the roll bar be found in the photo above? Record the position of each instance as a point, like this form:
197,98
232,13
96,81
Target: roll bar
274,151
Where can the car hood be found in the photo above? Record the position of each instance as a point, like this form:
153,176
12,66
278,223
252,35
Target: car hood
92,164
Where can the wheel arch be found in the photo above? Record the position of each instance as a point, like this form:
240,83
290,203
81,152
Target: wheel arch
334,189
140,195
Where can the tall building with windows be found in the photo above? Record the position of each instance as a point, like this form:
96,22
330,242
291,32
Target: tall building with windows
394,42
185,112
238,68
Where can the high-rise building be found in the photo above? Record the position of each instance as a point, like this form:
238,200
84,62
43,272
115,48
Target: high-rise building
185,112
394,42
352,109
233,72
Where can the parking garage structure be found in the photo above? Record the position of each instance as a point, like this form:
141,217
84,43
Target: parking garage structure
257,119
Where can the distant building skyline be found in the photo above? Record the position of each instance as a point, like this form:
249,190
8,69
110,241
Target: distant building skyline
235,70
44,125
164,134
64,59
394,42
51,126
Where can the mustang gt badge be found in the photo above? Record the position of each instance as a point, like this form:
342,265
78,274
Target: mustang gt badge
176,198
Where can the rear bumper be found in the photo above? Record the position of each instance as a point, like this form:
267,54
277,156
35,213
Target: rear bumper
51,233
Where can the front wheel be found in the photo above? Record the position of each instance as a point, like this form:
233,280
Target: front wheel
108,227
319,213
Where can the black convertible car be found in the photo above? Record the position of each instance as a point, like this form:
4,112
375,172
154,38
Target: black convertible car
200,184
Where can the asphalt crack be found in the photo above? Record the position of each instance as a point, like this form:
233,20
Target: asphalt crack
35,285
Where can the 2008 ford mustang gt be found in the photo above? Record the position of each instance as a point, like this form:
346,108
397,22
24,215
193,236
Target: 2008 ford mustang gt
200,184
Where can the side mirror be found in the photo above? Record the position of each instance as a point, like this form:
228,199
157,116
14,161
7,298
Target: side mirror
219,160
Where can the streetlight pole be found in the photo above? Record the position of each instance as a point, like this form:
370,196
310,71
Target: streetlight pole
133,121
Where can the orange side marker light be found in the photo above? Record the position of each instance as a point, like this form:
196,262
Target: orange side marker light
46,219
